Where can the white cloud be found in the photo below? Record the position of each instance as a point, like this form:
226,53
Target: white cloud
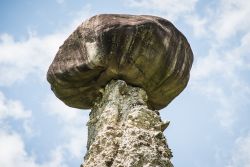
19,59
60,1
198,24
231,17
12,109
171,9
221,20
219,73
241,153
12,145
219,77
72,122
223,61
13,153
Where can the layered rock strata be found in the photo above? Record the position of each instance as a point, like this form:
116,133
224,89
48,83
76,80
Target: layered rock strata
145,51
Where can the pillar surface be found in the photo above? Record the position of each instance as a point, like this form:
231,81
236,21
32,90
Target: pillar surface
124,132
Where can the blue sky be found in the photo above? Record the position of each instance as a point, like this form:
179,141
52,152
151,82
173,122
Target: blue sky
209,120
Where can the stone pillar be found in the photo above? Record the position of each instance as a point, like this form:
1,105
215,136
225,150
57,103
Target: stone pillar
124,132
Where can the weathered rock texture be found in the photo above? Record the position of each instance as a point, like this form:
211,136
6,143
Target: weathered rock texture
124,132
123,67
145,51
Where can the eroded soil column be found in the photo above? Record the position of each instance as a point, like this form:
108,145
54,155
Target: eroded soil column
124,132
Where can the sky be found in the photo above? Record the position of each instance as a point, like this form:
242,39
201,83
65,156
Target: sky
209,120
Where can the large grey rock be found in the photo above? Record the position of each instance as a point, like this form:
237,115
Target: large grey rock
145,51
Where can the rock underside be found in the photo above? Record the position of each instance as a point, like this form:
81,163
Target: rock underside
124,132
145,51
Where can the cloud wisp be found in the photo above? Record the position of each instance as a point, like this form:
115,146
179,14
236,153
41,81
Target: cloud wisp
12,145
21,58
172,9
241,153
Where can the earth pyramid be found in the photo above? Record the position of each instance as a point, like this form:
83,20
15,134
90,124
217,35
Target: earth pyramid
124,68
